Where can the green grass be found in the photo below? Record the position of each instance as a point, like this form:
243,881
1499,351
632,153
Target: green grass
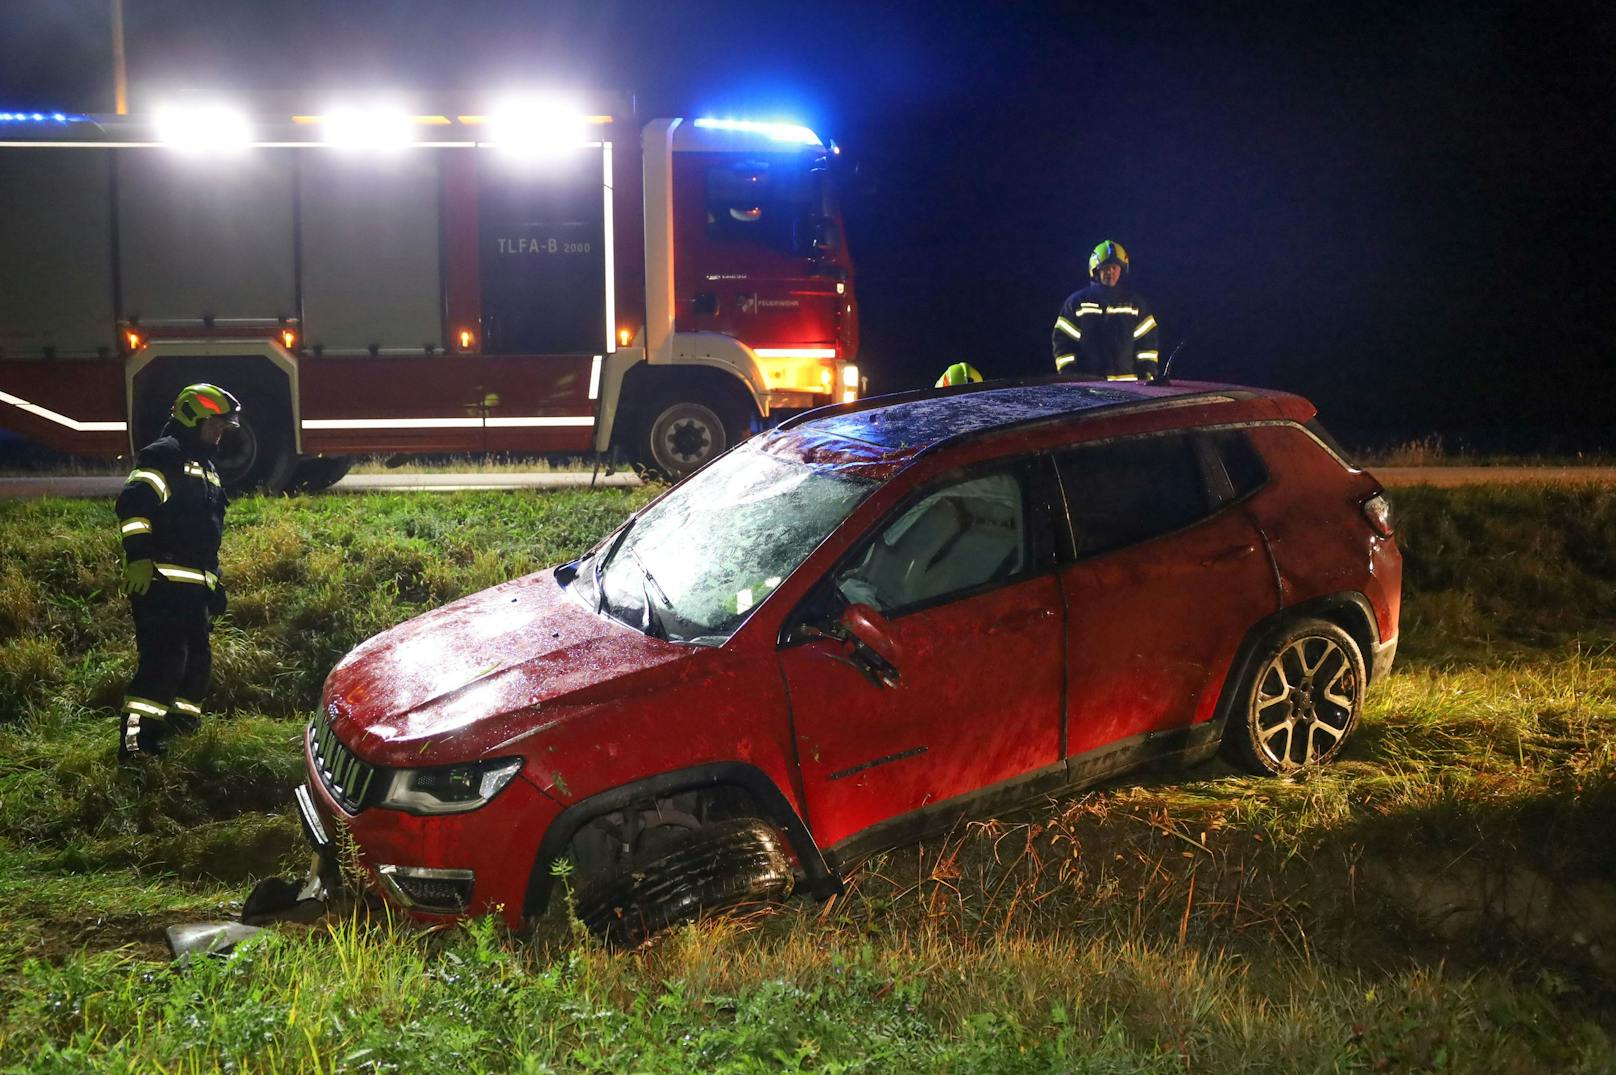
1444,899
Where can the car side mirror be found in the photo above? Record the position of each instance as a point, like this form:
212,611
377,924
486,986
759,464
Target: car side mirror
874,649
864,624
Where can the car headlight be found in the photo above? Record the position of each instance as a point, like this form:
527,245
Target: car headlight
449,789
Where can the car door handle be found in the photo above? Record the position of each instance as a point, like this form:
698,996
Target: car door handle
1017,620
1238,552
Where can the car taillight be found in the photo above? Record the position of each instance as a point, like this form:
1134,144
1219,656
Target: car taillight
1378,511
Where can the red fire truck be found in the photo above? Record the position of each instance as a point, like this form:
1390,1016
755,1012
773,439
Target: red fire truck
523,277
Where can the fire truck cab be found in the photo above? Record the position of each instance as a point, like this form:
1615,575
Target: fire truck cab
529,277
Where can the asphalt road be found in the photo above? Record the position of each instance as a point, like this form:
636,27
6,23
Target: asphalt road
12,488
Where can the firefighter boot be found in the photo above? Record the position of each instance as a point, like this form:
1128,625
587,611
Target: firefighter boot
141,730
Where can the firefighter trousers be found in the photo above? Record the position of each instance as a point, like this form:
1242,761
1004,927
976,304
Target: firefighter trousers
172,624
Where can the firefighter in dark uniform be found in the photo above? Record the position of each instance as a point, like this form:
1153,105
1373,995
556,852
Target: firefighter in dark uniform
1106,330
170,518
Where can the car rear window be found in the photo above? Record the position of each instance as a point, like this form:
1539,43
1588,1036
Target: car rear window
1241,461
1316,427
1125,491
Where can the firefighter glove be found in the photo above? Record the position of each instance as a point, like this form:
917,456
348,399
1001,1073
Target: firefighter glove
137,576
217,602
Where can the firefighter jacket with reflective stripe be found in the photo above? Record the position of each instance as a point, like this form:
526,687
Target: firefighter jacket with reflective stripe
171,509
1106,332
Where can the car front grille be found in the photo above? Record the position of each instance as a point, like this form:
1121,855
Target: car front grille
344,776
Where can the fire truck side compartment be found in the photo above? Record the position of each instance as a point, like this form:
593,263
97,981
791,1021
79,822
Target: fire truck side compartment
369,230
56,275
206,238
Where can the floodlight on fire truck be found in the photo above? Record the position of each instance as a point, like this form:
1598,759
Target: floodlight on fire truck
367,128
535,127
213,127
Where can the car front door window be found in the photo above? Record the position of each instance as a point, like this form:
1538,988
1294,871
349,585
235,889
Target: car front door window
952,541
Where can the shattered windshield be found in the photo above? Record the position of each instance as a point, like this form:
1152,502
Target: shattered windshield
694,564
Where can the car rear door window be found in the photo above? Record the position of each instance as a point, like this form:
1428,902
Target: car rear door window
1123,492
959,538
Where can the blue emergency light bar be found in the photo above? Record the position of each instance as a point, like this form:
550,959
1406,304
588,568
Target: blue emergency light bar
780,132
39,117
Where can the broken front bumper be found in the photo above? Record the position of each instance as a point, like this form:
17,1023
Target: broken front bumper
433,867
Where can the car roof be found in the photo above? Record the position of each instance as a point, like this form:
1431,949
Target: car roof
883,433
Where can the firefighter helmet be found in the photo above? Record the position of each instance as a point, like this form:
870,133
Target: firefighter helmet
957,374
1107,251
197,402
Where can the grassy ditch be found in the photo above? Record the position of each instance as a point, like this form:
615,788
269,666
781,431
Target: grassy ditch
1442,900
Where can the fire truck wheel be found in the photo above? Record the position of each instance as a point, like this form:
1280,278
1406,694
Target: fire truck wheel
704,871
682,436
254,457
320,472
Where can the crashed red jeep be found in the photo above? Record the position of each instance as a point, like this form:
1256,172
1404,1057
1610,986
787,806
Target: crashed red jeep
857,628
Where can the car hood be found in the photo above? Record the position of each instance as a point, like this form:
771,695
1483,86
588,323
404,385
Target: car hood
484,672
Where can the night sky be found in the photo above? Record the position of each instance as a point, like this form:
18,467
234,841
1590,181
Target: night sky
1401,210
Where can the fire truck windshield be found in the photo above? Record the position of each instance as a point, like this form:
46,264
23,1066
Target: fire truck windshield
778,201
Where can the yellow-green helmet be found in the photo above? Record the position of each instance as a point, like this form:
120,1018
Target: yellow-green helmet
197,402
1108,250
957,374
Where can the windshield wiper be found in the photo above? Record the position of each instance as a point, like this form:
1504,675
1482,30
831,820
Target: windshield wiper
652,624
601,558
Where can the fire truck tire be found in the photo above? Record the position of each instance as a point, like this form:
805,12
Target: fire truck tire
680,436
709,870
256,456
318,473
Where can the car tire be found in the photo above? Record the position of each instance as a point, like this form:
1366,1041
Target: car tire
1299,702
708,870
680,436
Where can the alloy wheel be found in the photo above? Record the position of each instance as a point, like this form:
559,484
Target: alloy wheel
1304,703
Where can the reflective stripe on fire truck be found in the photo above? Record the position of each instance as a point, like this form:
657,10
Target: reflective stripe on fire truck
61,419
134,526
1068,328
580,420
794,352
153,478
1145,326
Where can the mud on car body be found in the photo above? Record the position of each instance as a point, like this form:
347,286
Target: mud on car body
857,628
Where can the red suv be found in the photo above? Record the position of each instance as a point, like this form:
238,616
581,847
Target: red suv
857,628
